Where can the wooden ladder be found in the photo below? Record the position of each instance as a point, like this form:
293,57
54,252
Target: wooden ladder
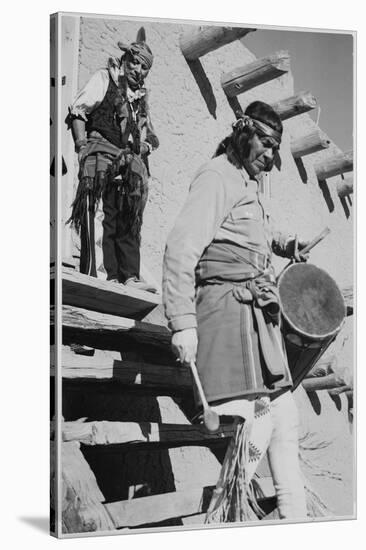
125,406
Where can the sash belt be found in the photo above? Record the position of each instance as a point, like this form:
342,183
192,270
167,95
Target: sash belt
265,306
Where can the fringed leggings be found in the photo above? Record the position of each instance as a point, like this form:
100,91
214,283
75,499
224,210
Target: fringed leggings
276,433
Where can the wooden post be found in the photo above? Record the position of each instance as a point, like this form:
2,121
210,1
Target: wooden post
345,187
329,382
309,143
295,105
82,508
202,40
322,367
261,70
348,298
333,166
69,69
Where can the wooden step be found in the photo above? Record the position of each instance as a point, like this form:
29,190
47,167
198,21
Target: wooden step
128,373
82,508
157,508
91,293
104,331
190,506
131,433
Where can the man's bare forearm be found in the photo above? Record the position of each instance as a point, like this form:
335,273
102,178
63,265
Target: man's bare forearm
78,133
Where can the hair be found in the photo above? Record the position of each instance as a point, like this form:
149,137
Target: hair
236,146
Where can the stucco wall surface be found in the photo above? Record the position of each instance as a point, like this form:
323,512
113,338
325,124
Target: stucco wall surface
188,135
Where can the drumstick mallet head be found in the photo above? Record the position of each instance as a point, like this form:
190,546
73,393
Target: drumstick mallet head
210,417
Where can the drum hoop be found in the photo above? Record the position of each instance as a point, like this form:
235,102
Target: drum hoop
333,333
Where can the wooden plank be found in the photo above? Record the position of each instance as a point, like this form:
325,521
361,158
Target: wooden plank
196,519
156,508
258,72
103,296
334,165
82,508
122,433
310,143
295,105
129,373
101,330
190,506
201,40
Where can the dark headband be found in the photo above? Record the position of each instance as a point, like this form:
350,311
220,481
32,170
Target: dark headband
140,50
260,127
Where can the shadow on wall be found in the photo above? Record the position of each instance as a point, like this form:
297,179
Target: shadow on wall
336,399
206,89
346,201
326,195
204,85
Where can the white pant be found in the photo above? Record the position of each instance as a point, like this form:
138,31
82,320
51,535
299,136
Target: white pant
279,435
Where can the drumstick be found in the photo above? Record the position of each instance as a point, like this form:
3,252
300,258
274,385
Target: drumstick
315,241
308,247
210,418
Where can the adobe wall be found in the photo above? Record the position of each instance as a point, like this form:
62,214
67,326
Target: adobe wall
188,134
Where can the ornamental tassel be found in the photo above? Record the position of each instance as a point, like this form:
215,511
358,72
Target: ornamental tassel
79,205
233,498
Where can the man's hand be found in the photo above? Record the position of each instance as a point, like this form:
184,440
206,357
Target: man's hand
184,345
294,248
299,257
81,153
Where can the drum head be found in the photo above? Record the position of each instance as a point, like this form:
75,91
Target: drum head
311,301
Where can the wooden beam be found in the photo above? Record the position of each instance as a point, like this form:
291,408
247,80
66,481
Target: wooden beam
348,390
348,298
200,40
345,187
128,373
321,368
122,433
157,508
82,508
309,143
91,293
333,166
104,331
329,382
295,105
260,71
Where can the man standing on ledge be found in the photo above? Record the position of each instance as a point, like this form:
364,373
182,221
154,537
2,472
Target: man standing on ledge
221,303
113,137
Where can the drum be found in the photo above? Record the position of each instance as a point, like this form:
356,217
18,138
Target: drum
313,312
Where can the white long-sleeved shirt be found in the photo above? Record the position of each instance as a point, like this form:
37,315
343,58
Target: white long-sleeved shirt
92,94
223,206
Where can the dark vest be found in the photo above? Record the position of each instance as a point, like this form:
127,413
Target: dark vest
103,119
